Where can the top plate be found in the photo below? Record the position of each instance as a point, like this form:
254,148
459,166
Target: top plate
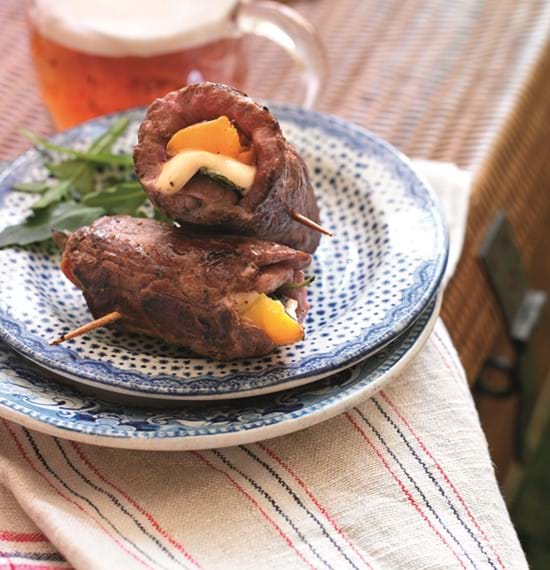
374,277
47,406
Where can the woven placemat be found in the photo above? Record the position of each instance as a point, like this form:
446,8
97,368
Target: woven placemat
466,82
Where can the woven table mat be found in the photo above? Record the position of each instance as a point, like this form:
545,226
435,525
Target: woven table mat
462,81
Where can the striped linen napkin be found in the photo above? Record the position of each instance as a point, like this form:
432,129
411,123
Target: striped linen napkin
402,481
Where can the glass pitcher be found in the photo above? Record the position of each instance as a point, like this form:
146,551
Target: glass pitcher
94,57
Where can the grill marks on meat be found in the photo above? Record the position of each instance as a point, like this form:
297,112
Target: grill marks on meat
281,183
177,285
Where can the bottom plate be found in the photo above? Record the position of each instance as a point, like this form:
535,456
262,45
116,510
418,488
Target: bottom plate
29,399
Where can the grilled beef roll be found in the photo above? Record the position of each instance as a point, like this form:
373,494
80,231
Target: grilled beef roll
225,297
209,155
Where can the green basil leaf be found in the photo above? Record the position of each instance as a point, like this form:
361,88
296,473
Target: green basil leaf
31,187
96,158
81,176
106,159
65,170
78,173
52,195
101,145
305,283
105,142
123,198
76,176
70,216
160,217
222,180
65,216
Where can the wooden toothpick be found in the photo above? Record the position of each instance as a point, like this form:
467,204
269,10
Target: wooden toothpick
95,324
305,221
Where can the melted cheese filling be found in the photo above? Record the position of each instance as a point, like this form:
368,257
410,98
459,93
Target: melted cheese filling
177,171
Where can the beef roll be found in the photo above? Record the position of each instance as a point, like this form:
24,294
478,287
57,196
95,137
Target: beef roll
225,297
209,155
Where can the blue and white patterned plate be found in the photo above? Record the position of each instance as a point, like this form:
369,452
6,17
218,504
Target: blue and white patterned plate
49,407
374,278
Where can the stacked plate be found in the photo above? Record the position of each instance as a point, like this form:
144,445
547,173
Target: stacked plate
374,303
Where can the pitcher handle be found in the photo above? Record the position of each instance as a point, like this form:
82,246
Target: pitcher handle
291,31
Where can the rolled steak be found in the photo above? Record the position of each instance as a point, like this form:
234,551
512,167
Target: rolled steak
280,184
183,287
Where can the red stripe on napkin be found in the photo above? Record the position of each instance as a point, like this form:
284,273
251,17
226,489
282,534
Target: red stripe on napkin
442,471
401,485
26,458
136,505
264,514
12,536
314,500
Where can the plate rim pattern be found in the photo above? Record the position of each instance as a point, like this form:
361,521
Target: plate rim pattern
178,439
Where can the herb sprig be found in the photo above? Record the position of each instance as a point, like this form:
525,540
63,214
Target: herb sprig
83,187
305,283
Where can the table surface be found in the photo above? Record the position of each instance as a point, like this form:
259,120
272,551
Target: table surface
434,78
438,79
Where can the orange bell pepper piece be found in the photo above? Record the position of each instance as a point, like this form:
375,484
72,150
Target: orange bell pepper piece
218,136
247,156
270,316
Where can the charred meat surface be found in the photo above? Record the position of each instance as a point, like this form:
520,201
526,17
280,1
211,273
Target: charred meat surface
185,288
280,183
